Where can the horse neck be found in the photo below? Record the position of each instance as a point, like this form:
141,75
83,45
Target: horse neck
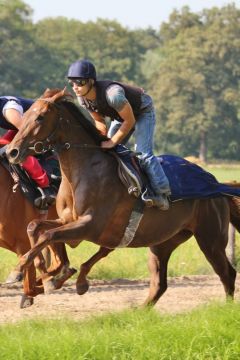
71,130
83,149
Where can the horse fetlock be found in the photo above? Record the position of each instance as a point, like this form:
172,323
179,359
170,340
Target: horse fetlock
60,280
84,269
14,276
49,285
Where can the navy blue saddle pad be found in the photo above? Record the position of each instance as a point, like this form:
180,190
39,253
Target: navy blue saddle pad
190,181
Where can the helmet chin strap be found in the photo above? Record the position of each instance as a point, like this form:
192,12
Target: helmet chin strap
90,88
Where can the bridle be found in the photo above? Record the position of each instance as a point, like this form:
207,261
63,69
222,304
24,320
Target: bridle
41,147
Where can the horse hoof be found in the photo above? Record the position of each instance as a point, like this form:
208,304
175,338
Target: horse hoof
82,288
49,286
26,301
13,277
59,281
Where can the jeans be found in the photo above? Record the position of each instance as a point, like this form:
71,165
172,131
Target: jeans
144,132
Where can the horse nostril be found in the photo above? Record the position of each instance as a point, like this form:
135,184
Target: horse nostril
13,153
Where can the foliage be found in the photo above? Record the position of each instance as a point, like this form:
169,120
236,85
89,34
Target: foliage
191,68
196,83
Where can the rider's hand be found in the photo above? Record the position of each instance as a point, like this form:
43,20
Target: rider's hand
109,144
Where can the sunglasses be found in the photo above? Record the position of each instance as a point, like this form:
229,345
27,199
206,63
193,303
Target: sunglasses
78,82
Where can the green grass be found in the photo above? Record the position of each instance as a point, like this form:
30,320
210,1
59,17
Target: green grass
132,263
225,173
207,333
7,263
129,263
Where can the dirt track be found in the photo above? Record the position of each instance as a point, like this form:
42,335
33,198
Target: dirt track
183,294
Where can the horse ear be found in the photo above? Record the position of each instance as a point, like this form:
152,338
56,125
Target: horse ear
61,94
46,92
67,93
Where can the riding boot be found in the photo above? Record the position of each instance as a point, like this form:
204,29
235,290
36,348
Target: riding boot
35,171
47,195
158,182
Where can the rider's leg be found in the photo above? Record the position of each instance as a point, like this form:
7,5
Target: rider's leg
9,135
144,131
39,175
36,172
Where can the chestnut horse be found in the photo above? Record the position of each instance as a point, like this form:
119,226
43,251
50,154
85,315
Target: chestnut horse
15,214
93,205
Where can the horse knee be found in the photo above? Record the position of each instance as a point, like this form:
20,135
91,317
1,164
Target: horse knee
32,226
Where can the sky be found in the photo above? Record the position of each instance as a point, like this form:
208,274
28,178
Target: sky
129,13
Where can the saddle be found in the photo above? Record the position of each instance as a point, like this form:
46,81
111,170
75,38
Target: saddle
128,170
23,181
131,174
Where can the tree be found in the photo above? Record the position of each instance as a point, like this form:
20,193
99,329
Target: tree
195,85
116,51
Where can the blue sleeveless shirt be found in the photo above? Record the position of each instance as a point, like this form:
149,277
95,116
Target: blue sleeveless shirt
25,103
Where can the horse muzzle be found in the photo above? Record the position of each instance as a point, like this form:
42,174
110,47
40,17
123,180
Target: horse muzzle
13,156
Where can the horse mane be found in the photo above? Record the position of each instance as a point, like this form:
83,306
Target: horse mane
65,98
84,121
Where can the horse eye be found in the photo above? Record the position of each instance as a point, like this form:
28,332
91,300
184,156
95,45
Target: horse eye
40,118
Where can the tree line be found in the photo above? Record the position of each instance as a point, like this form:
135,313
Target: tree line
190,66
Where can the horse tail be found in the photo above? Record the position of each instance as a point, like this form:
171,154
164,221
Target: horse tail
234,203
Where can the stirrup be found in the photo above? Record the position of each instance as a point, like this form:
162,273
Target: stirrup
160,201
147,200
44,200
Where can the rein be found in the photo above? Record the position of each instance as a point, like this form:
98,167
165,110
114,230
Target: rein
40,147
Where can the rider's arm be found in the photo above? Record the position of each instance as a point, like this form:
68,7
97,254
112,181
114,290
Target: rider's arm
100,123
128,117
13,112
117,100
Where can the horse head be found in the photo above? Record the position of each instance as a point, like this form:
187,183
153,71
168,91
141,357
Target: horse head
40,125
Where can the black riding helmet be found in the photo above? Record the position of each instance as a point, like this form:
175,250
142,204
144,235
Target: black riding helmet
82,69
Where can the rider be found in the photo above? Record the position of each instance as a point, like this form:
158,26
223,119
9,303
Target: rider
130,110
11,112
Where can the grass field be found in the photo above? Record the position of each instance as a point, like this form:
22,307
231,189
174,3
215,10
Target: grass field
209,333
132,263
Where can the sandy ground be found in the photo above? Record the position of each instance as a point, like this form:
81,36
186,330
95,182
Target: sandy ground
183,294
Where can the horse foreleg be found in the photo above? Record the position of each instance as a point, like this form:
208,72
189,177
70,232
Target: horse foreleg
79,230
82,284
158,262
30,287
14,276
58,257
41,261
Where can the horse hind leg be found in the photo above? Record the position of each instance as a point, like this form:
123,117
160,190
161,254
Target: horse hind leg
159,256
60,266
215,252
